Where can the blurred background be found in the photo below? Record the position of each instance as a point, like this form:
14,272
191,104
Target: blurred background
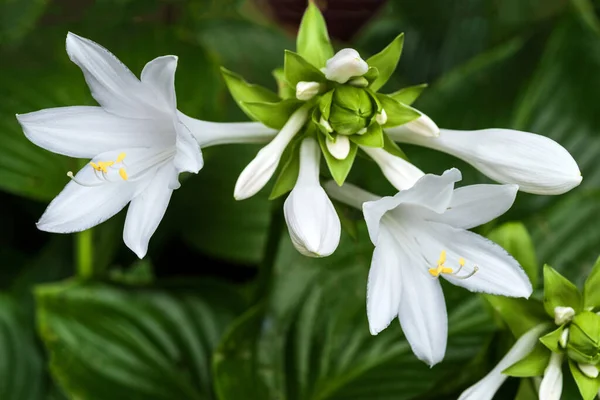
223,307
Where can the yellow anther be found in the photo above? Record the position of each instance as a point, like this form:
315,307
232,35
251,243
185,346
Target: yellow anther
95,166
121,157
442,269
461,262
442,259
123,174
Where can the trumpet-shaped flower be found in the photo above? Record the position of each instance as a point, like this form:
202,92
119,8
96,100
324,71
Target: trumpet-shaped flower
536,163
420,235
399,172
312,221
137,141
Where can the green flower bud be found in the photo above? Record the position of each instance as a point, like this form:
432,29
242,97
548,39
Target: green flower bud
584,338
351,110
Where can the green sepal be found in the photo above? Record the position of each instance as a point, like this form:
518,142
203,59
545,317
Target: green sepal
391,147
409,94
289,168
373,137
515,239
588,387
371,75
386,61
533,364
325,104
559,292
584,338
283,88
551,340
273,115
298,69
397,113
339,168
316,119
242,91
591,294
520,315
313,40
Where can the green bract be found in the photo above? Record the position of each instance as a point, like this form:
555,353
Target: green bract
584,338
353,108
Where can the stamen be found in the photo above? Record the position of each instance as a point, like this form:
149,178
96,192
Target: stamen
442,269
475,269
121,157
70,175
123,174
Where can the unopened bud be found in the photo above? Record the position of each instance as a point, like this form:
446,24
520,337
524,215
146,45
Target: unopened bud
564,338
340,148
359,81
589,370
584,338
307,90
381,118
345,64
563,315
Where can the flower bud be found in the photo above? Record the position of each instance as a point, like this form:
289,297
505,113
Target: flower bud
381,118
589,370
345,64
351,110
307,90
340,147
563,315
564,338
359,81
584,338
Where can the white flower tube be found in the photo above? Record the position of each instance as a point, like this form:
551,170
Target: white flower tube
552,382
489,385
401,174
344,65
312,221
423,126
536,163
256,174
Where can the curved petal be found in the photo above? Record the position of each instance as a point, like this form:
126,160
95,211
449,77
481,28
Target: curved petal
431,191
147,210
422,310
475,205
159,75
421,126
497,272
112,84
399,172
83,132
384,287
188,157
552,382
487,387
536,163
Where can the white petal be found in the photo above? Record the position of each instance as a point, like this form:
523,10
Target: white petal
83,132
215,133
422,310
384,286
536,163
401,174
112,84
475,205
498,272
147,210
431,191
188,157
551,386
422,126
340,148
487,387
345,64
159,75
256,174
349,194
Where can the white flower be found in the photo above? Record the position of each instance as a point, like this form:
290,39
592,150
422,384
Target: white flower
552,382
536,163
256,174
344,65
312,221
419,235
489,385
401,174
136,139
307,90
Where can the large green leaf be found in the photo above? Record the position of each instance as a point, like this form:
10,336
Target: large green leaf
109,343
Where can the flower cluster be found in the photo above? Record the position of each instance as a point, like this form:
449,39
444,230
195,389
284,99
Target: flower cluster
328,104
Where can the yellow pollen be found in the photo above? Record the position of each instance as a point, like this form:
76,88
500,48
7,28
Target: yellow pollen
461,262
442,269
121,157
123,174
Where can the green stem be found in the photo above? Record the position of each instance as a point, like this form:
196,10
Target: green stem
265,274
84,254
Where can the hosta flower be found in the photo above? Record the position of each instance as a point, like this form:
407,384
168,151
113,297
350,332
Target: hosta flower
312,221
536,163
420,235
136,139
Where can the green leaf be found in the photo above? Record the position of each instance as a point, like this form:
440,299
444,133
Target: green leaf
515,239
519,314
373,137
533,364
551,340
273,115
559,292
289,169
392,147
386,61
339,168
283,88
397,113
313,40
588,387
409,94
591,294
371,75
244,92
108,343
297,69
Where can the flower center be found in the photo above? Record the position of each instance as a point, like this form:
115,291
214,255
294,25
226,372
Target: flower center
442,269
103,170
